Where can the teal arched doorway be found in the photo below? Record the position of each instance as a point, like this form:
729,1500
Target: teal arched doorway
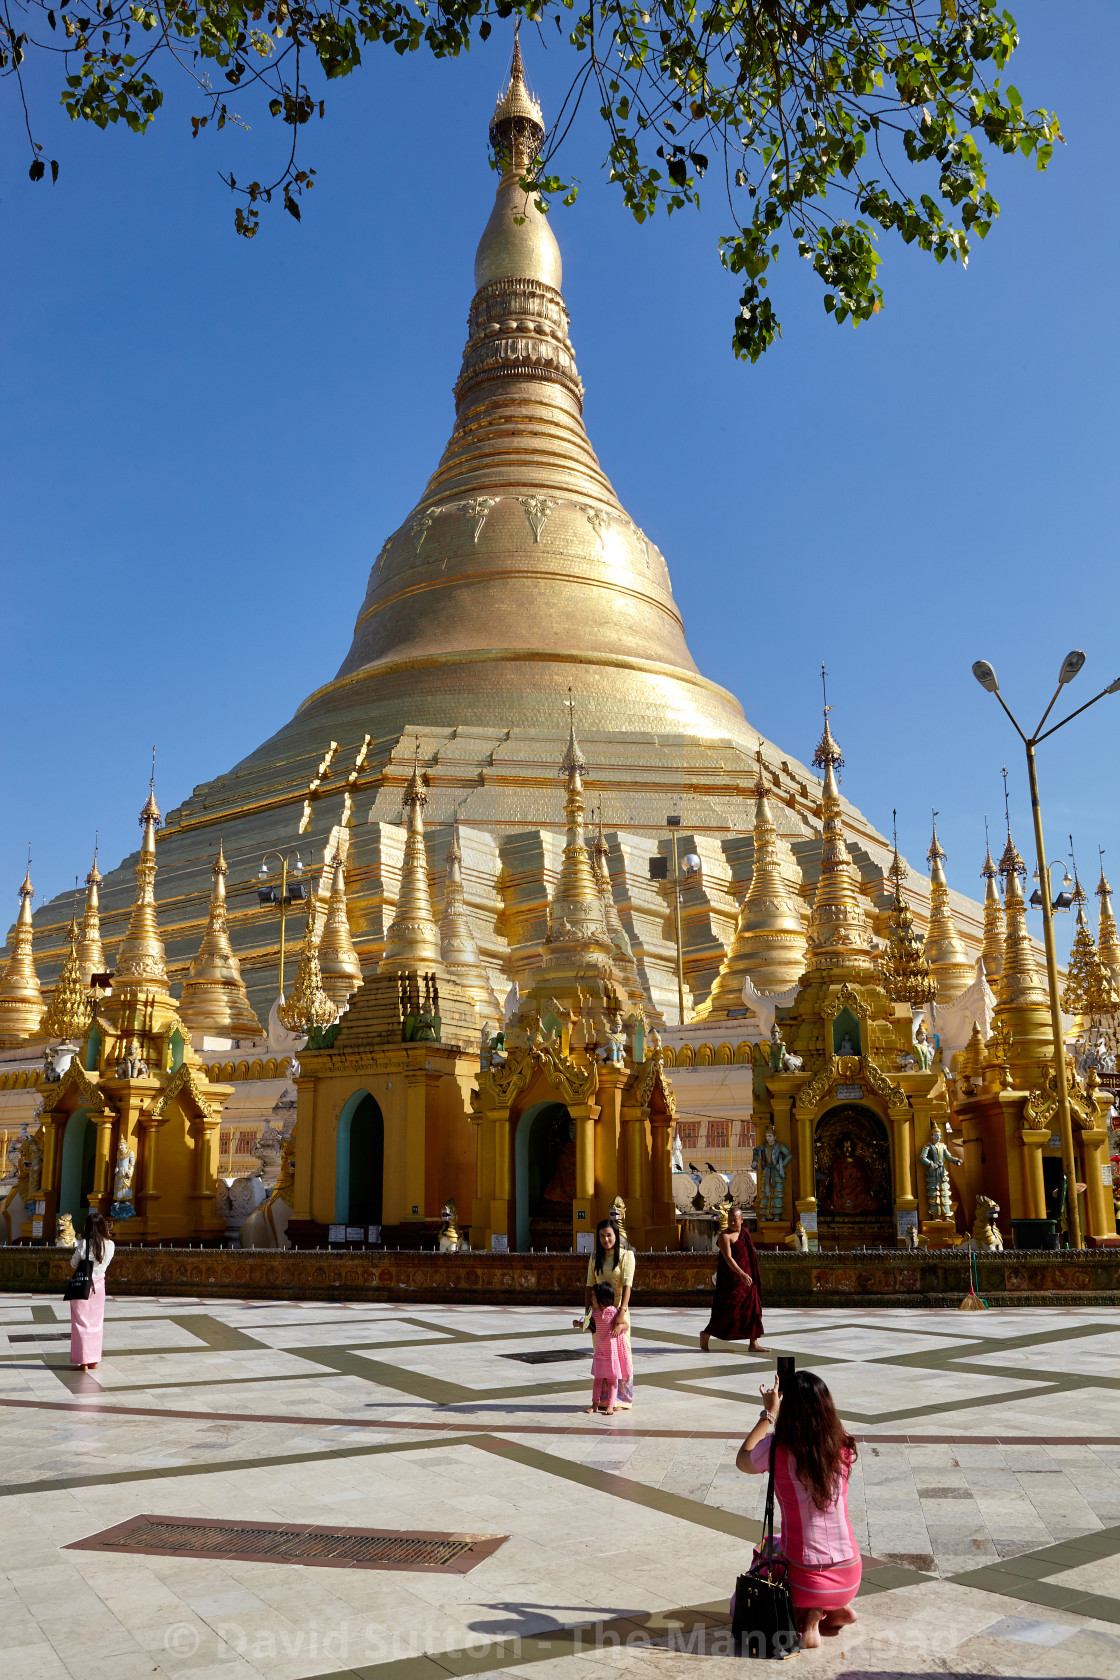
544,1160
79,1154
360,1162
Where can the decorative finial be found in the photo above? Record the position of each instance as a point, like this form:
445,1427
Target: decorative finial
936,853
760,785
827,753
151,816
517,127
415,792
573,760
897,870
989,870
93,879
1006,801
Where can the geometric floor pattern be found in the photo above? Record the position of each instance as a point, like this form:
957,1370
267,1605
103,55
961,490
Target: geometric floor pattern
986,1498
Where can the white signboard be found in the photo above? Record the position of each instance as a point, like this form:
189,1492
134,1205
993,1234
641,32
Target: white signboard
1106,1172
336,1233
907,1220
808,1221
585,1242
498,1244
1054,1141
355,1233
849,1093
375,1233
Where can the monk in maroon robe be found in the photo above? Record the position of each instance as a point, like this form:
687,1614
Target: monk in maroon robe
737,1303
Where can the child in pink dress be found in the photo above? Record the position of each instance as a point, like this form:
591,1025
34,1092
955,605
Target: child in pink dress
611,1359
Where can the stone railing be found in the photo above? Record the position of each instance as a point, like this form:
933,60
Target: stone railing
870,1278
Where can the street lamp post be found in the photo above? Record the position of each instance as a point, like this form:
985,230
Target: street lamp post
684,871
295,894
986,677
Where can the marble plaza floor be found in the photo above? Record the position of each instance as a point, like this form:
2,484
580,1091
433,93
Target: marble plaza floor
986,1499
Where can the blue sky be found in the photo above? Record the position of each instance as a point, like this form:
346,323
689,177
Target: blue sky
206,441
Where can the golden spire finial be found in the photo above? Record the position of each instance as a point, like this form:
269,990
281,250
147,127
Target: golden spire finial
992,952
91,955
827,756
308,1006
412,941
1108,940
577,909
461,955
21,999
68,1013
1010,862
1089,990
339,963
1022,1000
517,126
141,961
904,969
573,762
944,949
214,997
839,937
769,942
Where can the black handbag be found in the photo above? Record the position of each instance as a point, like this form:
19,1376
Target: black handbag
762,1619
81,1281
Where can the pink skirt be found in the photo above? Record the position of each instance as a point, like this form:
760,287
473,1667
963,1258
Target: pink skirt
87,1324
825,1589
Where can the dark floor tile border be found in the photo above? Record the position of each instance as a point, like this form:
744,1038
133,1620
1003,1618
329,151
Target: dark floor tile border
450,1427
113,1478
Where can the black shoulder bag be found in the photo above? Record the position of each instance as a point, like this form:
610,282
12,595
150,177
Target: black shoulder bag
762,1619
81,1280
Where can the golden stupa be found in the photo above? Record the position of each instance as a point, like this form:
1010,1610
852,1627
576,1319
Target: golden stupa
517,576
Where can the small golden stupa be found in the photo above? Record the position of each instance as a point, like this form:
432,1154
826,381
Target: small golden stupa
214,999
21,998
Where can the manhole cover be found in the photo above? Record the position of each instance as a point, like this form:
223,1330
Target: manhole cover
41,1336
549,1356
334,1548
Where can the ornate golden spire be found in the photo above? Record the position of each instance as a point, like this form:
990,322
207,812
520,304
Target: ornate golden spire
622,952
308,1004
214,998
412,942
339,963
769,942
839,938
517,126
905,968
1108,941
461,955
1088,990
68,1013
992,953
91,956
21,1000
944,949
577,911
141,961
1022,1001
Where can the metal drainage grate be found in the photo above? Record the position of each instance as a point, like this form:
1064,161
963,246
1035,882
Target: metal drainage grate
41,1336
549,1356
333,1548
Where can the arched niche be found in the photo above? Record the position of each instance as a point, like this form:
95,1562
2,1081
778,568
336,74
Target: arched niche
855,1199
846,1029
542,1149
79,1153
359,1162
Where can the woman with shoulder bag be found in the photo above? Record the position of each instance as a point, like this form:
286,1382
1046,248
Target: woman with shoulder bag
813,1456
89,1261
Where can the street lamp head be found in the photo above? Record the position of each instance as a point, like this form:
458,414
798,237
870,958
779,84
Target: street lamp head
1113,687
986,676
690,864
264,870
297,866
1071,664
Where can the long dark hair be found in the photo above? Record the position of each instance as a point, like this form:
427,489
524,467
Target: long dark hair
809,1428
601,1251
97,1235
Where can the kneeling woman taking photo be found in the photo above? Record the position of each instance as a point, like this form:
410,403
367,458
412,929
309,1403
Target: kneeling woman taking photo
813,1458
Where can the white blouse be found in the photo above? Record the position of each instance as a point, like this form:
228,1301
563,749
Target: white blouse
100,1267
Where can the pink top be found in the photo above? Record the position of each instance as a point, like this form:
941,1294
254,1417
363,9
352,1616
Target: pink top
612,1356
809,1536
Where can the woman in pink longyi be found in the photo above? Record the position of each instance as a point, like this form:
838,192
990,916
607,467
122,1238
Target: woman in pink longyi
813,1458
87,1318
